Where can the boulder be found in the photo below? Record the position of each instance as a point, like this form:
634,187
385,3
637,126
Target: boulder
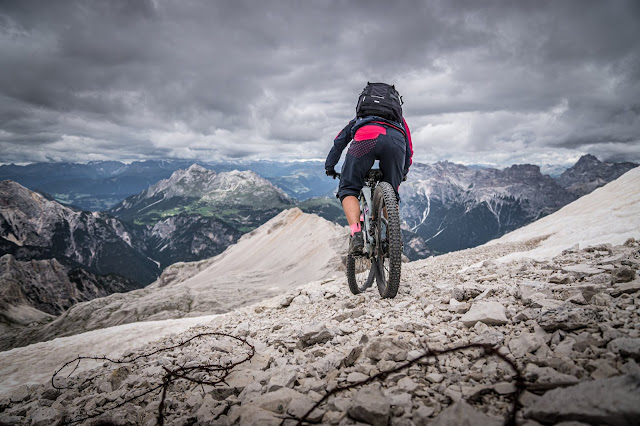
567,317
612,401
626,346
524,344
491,313
371,406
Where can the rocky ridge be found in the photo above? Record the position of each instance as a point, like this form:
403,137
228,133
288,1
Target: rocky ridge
448,207
285,252
33,227
570,324
34,292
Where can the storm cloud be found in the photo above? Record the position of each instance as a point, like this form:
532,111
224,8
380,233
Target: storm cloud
491,82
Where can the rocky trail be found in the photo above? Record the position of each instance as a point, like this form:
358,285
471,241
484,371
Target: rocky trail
569,324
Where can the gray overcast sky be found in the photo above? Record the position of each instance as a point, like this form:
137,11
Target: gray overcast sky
491,82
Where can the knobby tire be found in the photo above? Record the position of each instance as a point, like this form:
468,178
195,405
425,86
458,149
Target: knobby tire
360,273
388,259
360,270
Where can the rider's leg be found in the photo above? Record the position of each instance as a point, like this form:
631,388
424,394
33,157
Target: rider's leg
351,208
357,163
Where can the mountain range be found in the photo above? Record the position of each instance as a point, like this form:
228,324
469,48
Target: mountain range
448,207
241,198
451,207
100,185
33,227
55,256
590,173
196,213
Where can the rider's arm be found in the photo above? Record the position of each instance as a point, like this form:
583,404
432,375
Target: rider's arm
408,158
339,144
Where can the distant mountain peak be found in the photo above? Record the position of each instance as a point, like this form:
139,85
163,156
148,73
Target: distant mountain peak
587,159
202,191
590,173
14,195
191,182
195,167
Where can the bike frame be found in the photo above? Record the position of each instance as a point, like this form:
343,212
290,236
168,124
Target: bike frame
365,209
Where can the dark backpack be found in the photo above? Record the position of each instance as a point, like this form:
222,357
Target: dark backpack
381,100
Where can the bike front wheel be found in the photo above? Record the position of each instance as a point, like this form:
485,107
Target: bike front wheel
388,259
360,273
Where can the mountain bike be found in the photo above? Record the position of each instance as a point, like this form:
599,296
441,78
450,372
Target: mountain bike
382,254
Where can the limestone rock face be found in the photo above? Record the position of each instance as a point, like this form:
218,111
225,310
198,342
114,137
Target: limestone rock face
33,227
590,173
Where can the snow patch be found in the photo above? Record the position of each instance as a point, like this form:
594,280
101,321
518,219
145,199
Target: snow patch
610,214
35,364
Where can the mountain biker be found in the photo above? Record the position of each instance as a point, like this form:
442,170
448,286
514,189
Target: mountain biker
374,138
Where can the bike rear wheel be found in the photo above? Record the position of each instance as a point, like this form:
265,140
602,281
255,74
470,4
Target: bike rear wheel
388,259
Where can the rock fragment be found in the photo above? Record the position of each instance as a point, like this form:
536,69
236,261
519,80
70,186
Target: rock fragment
313,334
626,288
582,269
45,416
623,275
386,348
462,414
524,344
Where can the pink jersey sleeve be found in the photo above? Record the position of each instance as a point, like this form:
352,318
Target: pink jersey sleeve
406,126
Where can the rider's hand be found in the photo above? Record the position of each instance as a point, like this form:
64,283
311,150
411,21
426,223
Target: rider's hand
331,172
404,178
